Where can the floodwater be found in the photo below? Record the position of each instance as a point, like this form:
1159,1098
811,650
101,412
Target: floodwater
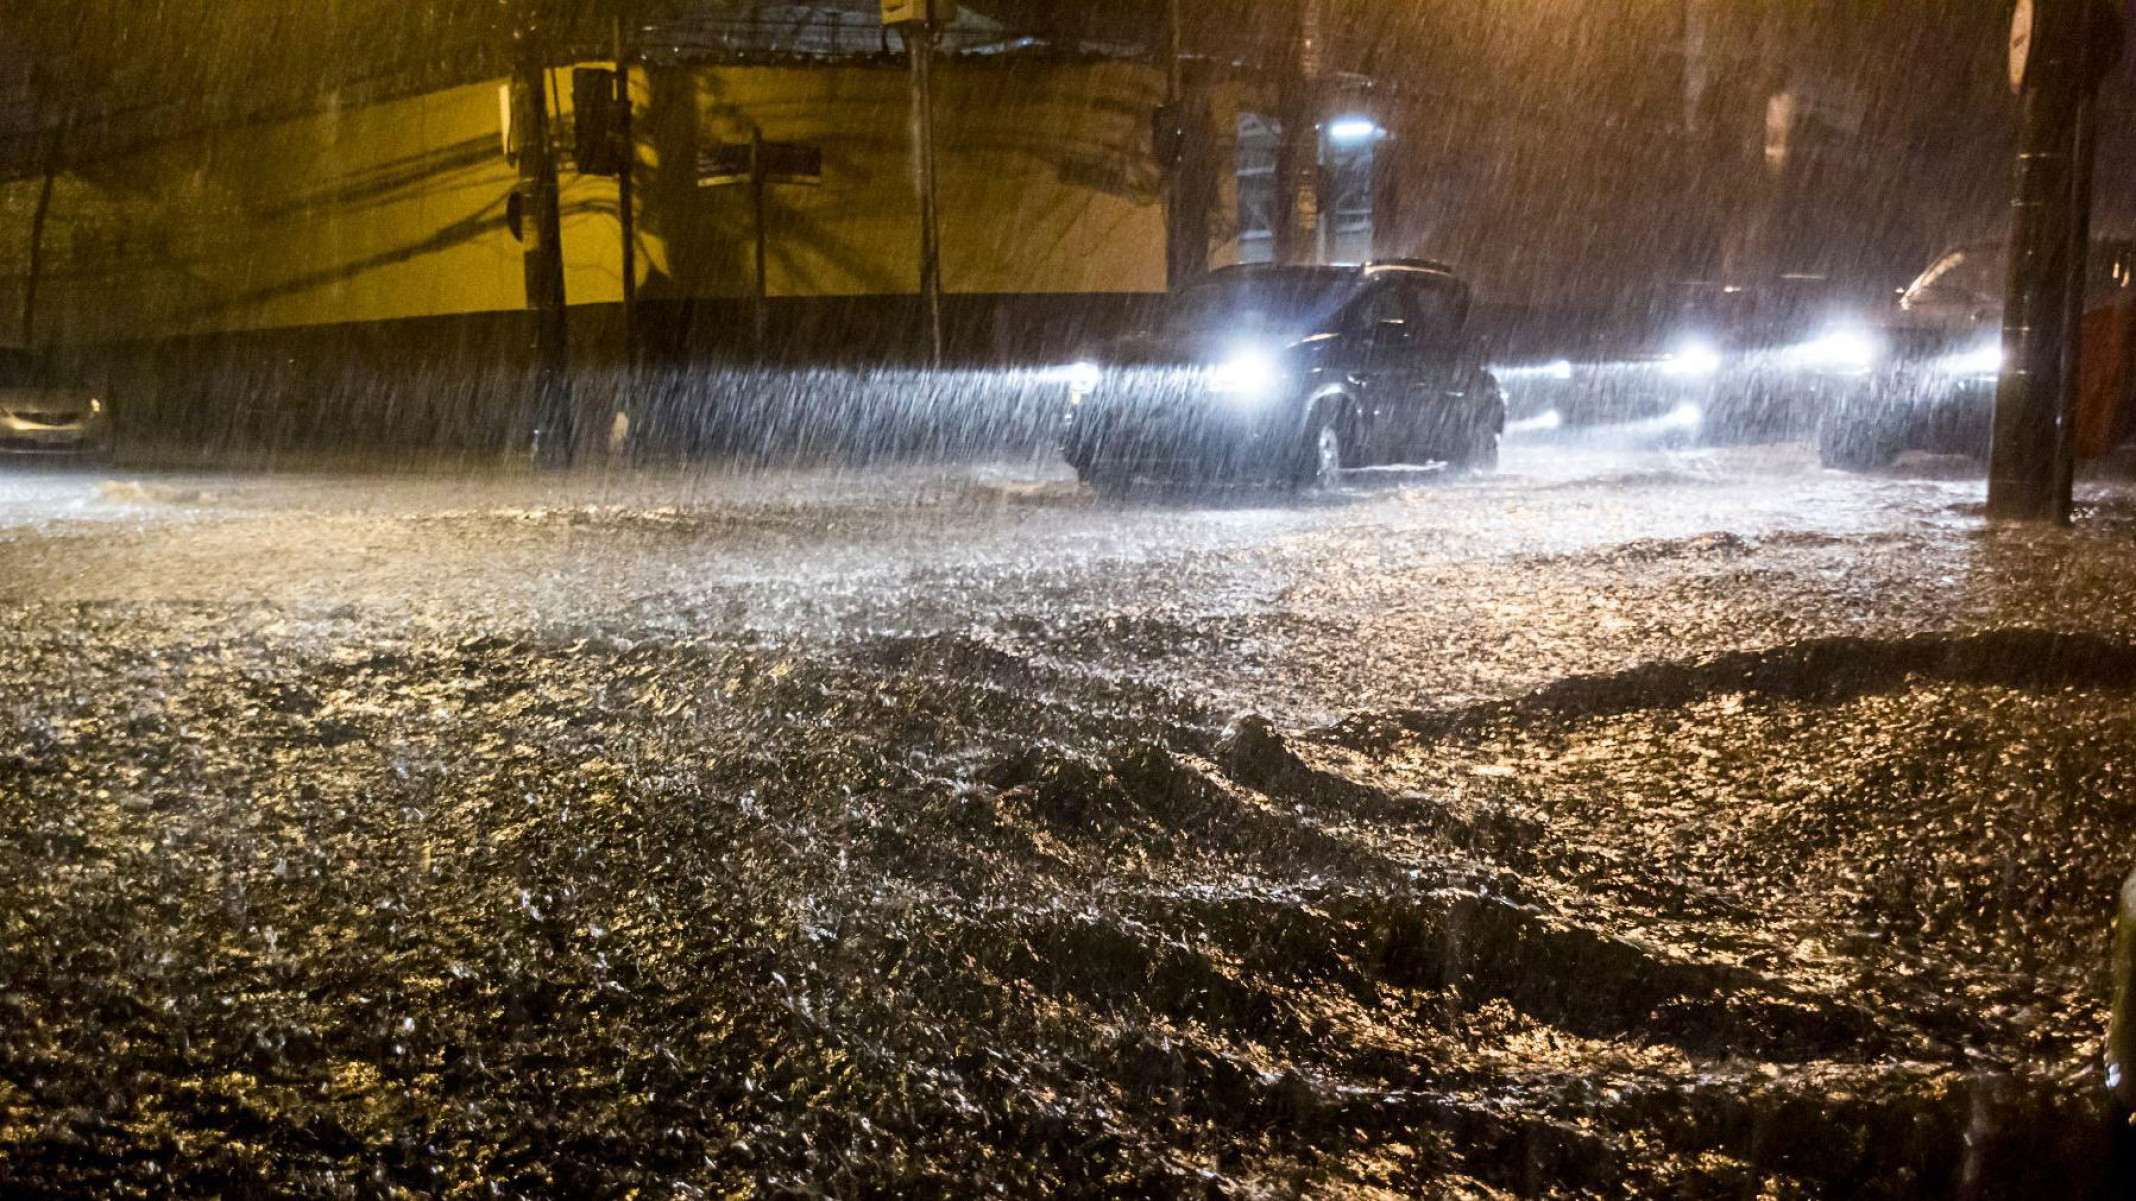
1628,822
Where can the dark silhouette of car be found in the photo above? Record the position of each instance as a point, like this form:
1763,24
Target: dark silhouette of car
1702,361
44,412
1289,375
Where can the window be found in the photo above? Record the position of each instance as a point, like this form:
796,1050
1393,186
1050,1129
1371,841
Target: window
1381,306
1439,305
1257,188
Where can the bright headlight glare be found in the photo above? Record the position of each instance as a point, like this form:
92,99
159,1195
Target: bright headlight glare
1842,350
1693,359
1084,378
95,405
1248,375
1983,360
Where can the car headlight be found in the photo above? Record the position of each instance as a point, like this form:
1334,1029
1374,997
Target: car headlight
1692,359
1248,376
96,407
1978,362
1684,417
1083,379
1841,350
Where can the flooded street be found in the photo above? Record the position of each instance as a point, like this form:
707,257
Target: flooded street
1626,822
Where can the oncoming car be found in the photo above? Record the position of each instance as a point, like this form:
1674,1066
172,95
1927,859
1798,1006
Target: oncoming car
43,413
1290,375
1934,389
1708,362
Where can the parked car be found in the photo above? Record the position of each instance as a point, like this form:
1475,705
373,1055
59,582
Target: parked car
43,412
1292,375
1941,356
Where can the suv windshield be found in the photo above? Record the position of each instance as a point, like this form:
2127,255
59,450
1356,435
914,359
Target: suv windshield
1285,300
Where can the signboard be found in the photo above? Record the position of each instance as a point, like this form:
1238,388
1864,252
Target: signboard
908,12
783,163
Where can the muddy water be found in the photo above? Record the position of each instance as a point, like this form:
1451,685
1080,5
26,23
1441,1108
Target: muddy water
1698,828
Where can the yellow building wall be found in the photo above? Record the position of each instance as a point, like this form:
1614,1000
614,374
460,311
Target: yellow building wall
1046,182
396,209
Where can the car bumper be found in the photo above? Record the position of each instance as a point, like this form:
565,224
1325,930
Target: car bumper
1198,440
27,437
1600,394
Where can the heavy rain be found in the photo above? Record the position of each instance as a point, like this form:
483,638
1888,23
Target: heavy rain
1140,598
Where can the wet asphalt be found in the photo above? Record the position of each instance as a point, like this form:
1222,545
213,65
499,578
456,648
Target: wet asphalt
1629,821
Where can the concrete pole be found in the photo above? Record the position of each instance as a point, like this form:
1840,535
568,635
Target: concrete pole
1174,166
2027,477
919,43
759,207
1190,179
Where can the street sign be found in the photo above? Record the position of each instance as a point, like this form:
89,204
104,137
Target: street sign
782,163
908,12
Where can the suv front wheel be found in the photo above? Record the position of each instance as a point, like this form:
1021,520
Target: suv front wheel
1320,456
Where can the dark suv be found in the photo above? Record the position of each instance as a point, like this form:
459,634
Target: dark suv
1290,374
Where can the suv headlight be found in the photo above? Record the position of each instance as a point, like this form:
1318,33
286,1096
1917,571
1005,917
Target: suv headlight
1248,377
1083,379
1840,350
1979,362
1694,358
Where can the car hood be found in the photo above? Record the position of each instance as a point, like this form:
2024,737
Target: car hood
45,400
1164,350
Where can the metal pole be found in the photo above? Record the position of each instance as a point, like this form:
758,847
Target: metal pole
40,216
919,41
625,204
2026,481
1175,91
544,264
2086,144
760,315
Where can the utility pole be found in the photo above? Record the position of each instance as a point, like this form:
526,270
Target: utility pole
1298,148
920,45
2058,51
626,210
1181,141
760,312
554,421
1170,141
40,215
